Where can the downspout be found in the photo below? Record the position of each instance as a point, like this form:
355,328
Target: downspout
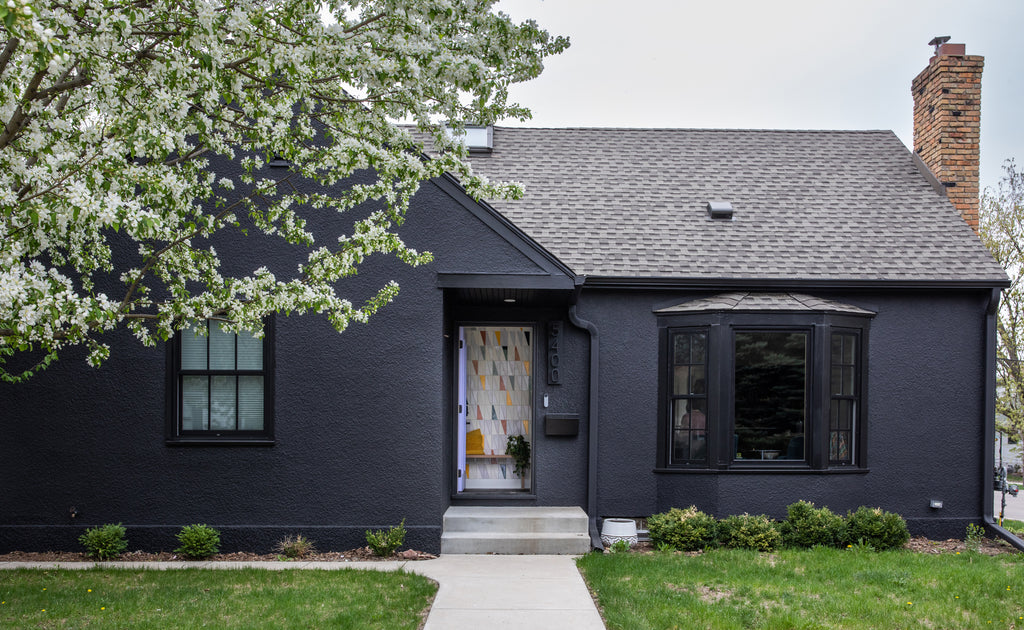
987,503
595,536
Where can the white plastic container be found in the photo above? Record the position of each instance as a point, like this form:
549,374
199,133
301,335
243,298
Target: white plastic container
615,529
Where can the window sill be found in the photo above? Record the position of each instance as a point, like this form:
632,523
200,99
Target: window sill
761,470
211,441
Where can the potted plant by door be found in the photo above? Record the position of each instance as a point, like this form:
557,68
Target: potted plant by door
518,447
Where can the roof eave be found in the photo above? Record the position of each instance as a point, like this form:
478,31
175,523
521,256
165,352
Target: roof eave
658,282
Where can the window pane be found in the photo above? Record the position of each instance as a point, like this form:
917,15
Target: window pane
681,354
250,352
689,435
194,402
698,348
849,349
848,376
698,384
222,403
690,414
836,380
250,403
682,380
193,350
222,348
771,394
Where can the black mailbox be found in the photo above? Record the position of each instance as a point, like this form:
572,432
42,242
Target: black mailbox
562,424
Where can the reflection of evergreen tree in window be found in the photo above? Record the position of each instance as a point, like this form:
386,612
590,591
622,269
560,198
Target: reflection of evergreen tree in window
771,377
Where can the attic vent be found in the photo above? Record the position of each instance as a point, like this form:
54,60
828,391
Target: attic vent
720,210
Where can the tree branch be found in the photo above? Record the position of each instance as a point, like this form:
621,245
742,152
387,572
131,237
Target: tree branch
5,56
17,121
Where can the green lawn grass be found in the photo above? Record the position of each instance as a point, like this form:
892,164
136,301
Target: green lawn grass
821,588
193,598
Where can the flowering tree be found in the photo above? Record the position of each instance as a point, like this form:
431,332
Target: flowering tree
117,116
1002,231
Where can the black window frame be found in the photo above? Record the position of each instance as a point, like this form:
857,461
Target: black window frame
177,436
688,399
722,327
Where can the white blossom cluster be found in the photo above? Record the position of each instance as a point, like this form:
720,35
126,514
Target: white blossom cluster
115,116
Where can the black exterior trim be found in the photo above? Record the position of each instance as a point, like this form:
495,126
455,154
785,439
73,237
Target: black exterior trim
629,283
762,470
503,281
172,395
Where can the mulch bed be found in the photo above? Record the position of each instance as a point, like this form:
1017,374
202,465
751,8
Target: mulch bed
362,554
988,547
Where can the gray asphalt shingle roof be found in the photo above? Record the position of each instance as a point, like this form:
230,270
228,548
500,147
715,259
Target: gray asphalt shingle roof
809,205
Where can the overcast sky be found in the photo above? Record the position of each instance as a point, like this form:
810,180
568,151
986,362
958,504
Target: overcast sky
771,64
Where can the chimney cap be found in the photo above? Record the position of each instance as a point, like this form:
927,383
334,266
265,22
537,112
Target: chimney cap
939,40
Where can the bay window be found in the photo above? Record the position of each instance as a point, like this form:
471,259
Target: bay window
762,382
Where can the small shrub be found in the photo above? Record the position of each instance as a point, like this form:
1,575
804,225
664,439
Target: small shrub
876,528
619,546
385,542
749,532
686,530
198,541
297,546
807,526
105,542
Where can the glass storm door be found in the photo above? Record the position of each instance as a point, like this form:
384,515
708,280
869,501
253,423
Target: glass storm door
496,401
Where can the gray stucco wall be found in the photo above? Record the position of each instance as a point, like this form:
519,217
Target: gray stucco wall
360,420
364,431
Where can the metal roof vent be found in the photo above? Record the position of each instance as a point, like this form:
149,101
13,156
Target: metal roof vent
477,138
721,210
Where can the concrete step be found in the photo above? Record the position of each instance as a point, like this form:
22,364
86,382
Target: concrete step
514,544
515,530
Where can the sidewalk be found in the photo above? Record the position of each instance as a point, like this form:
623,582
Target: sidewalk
492,592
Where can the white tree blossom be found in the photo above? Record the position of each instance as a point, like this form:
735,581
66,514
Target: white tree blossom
117,114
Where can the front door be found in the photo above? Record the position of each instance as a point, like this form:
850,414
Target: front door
495,386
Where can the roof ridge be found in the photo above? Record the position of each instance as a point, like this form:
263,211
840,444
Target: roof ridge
693,129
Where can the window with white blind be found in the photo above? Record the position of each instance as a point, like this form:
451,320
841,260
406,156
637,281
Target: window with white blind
221,385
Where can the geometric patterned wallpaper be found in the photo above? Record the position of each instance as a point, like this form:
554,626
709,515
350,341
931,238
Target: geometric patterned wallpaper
498,397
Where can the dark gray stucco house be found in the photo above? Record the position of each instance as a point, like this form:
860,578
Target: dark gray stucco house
732,319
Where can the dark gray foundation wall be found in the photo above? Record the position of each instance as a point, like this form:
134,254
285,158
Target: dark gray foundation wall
925,414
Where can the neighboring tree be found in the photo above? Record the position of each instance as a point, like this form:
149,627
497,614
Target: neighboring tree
150,122
1002,231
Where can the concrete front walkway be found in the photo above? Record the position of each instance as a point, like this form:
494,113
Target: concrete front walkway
491,592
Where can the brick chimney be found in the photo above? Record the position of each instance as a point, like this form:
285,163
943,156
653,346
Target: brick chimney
947,122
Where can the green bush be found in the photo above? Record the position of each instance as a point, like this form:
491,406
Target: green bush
297,546
876,528
749,532
104,543
685,530
384,542
807,526
198,541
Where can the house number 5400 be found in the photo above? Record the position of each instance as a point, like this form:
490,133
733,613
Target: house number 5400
554,344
